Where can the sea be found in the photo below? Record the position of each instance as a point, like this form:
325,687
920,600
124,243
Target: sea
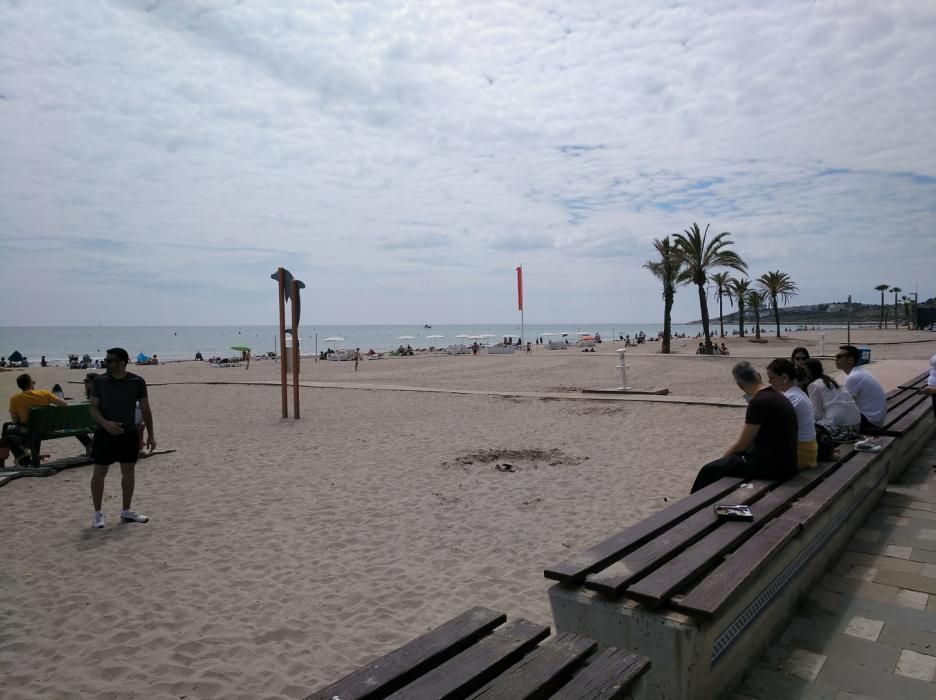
173,343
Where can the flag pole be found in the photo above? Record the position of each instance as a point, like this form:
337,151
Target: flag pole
520,303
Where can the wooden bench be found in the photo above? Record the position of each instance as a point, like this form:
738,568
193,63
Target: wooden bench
53,422
474,656
703,597
909,417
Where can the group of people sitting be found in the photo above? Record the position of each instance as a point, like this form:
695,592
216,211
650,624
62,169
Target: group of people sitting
716,349
16,360
796,410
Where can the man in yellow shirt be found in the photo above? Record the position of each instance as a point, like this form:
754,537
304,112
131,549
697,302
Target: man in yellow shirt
19,411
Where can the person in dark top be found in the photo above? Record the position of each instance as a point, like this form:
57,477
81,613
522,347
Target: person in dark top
114,397
766,448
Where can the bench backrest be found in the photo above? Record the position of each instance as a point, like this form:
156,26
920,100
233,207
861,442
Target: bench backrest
47,420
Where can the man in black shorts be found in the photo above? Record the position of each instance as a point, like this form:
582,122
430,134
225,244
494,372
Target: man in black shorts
766,448
114,397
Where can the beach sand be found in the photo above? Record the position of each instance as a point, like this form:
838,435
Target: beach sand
281,554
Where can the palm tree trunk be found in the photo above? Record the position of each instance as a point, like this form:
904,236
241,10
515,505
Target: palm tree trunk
776,314
757,322
881,324
703,305
721,316
667,327
740,317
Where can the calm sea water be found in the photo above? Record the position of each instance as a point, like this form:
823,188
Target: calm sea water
182,342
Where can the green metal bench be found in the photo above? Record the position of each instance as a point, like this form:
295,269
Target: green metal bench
53,422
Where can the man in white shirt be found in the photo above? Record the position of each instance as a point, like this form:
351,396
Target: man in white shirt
864,388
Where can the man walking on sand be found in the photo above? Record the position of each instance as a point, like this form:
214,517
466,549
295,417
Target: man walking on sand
114,397
357,357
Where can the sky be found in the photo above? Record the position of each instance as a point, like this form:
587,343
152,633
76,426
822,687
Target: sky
160,159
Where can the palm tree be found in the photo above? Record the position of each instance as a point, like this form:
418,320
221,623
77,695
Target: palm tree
882,288
739,289
896,291
777,284
755,299
667,269
700,258
720,280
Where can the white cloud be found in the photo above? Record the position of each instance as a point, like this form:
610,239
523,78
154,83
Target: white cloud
395,148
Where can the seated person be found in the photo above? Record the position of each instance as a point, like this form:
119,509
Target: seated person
799,356
782,376
20,404
833,407
723,349
930,387
701,349
766,447
864,389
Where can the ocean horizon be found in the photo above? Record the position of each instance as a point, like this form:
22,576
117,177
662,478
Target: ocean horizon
173,343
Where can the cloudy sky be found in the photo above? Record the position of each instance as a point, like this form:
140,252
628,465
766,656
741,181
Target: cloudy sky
161,158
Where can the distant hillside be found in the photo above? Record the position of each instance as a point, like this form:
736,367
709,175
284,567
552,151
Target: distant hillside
831,313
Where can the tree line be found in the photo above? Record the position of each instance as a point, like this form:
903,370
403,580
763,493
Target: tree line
691,258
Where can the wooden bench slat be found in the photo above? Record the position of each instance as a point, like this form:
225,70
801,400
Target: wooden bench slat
539,673
609,676
574,570
916,382
695,561
613,580
714,592
480,663
910,418
814,503
394,670
911,400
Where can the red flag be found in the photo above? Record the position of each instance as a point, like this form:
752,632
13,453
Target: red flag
520,288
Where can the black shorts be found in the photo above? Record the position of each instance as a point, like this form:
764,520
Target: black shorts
123,448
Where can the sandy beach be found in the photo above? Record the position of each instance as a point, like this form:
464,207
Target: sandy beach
281,554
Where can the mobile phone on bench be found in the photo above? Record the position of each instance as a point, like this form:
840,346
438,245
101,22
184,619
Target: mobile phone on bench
734,512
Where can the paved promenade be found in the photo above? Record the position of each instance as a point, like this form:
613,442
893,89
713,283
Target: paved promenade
868,630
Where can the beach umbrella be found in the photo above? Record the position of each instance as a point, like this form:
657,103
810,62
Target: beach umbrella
333,339
542,334
16,356
435,336
406,337
141,358
462,335
240,348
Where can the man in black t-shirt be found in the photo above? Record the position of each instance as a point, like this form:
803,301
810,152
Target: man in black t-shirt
766,448
114,398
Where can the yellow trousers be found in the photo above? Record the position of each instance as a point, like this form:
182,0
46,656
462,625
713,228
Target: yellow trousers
807,454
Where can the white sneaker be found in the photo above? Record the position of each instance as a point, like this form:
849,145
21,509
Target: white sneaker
98,520
131,516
